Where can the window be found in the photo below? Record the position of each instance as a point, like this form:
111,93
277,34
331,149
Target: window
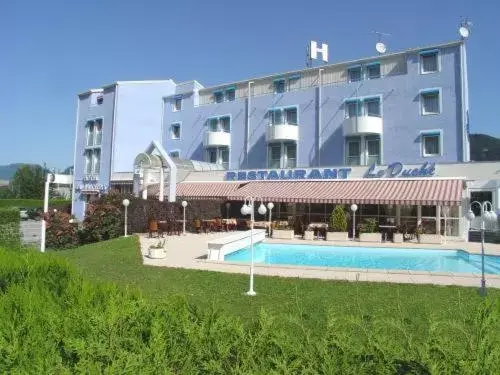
218,124
274,155
213,124
175,131
291,155
431,144
230,95
219,96
372,107
354,74
177,104
225,124
217,155
98,132
353,152
429,62
279,86
97,161
291,116
174,154
373,71
88,162
90,133
353,108
100,100
430,103
480,196
276,117
373,151
293,83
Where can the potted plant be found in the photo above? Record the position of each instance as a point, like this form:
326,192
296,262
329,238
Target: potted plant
398,234
337,230
368,231
157,251
283,231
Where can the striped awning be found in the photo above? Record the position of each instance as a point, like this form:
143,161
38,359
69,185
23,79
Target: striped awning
198,190
445,192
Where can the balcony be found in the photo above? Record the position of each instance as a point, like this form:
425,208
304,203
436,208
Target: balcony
359,125
217,138
282,132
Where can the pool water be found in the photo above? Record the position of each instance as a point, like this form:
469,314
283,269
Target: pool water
456,261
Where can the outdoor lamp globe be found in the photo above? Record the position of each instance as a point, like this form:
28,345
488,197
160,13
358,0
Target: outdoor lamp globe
184,204
244,209
493,216
470,215
270,206
262,209
126,202
354,207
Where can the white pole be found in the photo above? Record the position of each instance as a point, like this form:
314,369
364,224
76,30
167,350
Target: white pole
126,221
320,98
251,292
354,225
483,280
270,221
184,221
45,211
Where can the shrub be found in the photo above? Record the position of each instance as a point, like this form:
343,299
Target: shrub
369,226
338,220
103,221
10,235
60,233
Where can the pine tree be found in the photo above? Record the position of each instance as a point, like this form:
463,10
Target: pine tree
338,220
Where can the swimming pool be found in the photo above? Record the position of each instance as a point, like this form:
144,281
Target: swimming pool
456,261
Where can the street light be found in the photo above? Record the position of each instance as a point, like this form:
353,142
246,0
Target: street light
354,208
248,209
184,204
228,204
270,207
445,210
486,216
125,203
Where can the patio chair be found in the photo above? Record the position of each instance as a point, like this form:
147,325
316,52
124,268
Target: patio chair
197,225
153,228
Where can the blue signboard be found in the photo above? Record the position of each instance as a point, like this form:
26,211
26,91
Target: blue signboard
397,169
290,174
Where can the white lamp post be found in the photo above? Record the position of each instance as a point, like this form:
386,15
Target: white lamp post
270,207
125,203
354,208
184,205
445,210
228,204
486,216
248,209
50,178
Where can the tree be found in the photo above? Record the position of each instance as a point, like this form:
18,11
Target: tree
338,220
28,182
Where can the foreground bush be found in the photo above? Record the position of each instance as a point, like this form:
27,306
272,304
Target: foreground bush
61,233
10,227
53,321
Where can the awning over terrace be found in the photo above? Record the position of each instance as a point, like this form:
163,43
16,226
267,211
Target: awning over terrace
200,190
444,192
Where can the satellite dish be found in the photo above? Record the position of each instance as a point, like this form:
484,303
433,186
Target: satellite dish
464,32
380,47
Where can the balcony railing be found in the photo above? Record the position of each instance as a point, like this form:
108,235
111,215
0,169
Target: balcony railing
282,132
217,138
358,125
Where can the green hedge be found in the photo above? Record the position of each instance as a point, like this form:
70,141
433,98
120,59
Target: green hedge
53,321
32,203
9,227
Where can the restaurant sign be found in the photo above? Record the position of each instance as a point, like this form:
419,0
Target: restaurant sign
92,187
397,169
394,170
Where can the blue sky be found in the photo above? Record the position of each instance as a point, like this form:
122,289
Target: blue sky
52,50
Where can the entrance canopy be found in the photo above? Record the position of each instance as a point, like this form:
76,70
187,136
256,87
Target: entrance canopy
444,192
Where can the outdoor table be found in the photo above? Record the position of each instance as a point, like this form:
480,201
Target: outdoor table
318,228
389,229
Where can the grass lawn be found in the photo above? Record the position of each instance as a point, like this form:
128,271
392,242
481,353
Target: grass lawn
306,301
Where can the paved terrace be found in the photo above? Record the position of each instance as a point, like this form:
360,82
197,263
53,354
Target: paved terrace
189,251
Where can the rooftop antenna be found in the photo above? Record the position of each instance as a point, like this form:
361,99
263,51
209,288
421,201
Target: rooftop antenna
312,52
464,29
380,46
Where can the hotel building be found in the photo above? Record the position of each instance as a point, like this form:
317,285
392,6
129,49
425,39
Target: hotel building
389,133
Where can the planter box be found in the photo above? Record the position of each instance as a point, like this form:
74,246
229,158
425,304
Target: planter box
431,238
337,236
398,238
309,235
284,234
370,237
157,253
